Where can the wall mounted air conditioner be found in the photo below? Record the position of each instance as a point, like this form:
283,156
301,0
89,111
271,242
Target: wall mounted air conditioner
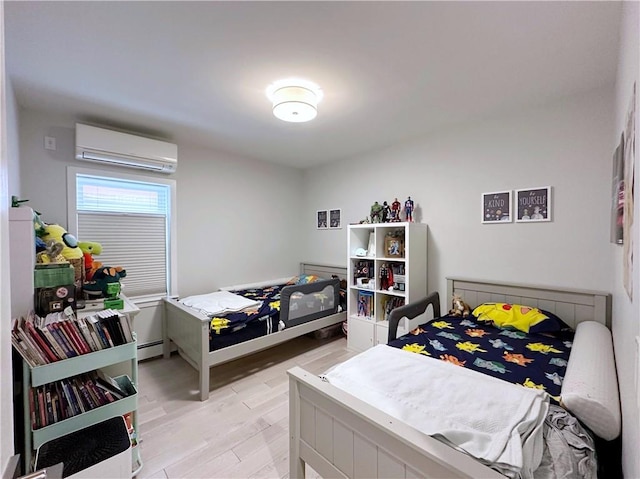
122,149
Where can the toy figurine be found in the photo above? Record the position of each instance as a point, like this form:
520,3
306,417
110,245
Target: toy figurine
376,212
408,209
386,277
386,212
395,211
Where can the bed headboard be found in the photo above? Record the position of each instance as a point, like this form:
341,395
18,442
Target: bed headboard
571,305
323,270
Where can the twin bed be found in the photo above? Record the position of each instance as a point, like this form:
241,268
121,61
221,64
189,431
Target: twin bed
339,433
282,312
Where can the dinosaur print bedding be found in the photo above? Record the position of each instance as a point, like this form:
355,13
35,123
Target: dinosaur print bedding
267,311
533,360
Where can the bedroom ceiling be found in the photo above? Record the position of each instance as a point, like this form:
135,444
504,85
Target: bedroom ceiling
197,72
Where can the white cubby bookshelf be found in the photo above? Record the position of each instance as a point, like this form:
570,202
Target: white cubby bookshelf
366,329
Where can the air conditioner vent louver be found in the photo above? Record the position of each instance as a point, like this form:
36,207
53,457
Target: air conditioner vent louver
123,149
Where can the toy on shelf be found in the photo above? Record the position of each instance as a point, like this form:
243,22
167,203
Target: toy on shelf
106,282
394,216
408,209
376,213
52,253
89,249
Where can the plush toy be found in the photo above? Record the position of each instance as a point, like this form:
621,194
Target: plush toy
89,249
459,308
51,254
58,233
103,279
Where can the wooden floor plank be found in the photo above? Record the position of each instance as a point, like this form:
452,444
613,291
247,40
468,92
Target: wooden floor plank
241,431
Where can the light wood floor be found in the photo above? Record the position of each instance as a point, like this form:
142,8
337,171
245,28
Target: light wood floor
241,431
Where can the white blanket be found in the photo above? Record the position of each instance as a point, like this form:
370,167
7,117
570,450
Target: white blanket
497,422
219,303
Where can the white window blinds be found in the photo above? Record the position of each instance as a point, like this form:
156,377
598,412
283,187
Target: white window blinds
131,221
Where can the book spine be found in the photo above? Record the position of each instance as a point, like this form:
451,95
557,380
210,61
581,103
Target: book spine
68,330
85,394
46,350
78,396
32,409
30,344
42,407
52,341
126,327
23,351
47,398
108,336
62,340
82,326
75,331
71,398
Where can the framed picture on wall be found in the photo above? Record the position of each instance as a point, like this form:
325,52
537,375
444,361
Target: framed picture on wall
533,204
335,220
322,219
496,207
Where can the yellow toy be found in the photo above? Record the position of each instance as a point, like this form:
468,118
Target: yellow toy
57,233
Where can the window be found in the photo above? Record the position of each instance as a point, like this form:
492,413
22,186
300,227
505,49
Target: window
131,217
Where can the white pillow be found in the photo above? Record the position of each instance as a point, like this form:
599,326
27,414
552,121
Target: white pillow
590,386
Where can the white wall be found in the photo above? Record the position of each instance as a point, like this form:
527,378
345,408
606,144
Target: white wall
566,145
237,219
626,317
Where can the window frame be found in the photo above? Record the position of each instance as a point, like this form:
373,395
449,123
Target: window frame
72,216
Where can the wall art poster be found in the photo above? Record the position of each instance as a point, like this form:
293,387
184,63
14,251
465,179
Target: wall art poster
496,207
629,193
335,218
533,204
617,194
321,219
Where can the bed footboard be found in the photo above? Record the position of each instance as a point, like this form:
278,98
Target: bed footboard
189,330
339,435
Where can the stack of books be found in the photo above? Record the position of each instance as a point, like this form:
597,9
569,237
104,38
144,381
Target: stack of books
60,336
69,397
390,304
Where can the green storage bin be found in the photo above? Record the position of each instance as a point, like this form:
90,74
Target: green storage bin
50,276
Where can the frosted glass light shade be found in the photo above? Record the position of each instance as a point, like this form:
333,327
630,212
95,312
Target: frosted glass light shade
294,104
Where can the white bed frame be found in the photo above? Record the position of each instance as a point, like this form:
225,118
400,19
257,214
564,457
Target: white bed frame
189,331
341,436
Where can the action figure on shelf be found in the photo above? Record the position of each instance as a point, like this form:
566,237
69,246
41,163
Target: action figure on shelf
376,212
386,277
408,209
362,307
395,211
386,212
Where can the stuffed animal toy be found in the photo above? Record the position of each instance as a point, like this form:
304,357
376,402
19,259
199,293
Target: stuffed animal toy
58,233
89,249
51,254
102,278
459,308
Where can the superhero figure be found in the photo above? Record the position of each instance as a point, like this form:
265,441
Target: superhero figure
408,209
395,210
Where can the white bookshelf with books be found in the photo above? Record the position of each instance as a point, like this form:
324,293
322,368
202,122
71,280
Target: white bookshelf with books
387,268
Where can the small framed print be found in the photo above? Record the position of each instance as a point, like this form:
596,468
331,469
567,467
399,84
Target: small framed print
321,219
496,207
393,247
533,204
335,219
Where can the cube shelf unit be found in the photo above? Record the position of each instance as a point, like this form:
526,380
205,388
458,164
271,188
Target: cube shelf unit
366,330
41,375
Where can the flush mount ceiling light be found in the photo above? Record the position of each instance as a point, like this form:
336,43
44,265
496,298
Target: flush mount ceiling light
294,100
